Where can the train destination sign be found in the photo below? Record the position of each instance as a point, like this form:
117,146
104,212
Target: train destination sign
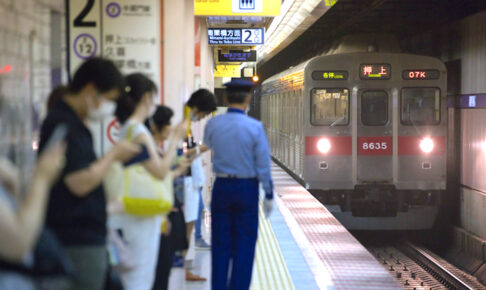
237,56
417,74
235,36
381,71
338,75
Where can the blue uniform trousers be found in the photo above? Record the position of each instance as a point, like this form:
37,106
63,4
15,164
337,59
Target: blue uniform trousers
234,229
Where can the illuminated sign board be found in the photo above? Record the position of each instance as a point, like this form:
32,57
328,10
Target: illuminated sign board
237,7
338,75
375,71
227,71
237,56
421,74
235,36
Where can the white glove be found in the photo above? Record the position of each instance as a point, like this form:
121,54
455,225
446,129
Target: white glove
267,207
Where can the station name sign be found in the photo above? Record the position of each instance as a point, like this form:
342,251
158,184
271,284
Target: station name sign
237,56
235,36
339,75
375,71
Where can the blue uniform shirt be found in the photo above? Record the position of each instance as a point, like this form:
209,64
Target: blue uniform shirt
240,147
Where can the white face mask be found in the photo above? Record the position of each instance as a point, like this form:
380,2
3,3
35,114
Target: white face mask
106,109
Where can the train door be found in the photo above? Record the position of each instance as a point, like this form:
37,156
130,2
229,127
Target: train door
375,137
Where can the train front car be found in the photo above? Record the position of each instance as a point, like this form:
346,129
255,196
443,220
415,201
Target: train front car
372,140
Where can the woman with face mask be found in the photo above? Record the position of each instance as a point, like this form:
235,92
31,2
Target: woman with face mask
142,233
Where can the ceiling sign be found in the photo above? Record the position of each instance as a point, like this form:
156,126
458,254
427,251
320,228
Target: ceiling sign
228,71
237,7
237,56
235,36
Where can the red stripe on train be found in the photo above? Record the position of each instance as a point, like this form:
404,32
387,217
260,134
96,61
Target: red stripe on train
340,145
410,145
376,145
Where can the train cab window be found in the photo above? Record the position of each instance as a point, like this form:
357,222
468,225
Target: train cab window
329,107
420,106
374,108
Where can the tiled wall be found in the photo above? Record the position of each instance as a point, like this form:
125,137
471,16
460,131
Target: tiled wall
25,80
465,41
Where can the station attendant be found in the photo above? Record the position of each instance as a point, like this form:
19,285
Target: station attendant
241,159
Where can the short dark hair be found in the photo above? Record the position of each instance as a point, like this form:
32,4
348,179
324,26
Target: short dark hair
136,86
103,73
236,97
203,100
161,118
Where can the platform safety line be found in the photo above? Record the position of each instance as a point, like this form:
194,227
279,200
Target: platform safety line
319,270
273,251
270,267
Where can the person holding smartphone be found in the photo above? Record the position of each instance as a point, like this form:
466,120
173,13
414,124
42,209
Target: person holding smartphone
20,225
77,204
201,104
142,234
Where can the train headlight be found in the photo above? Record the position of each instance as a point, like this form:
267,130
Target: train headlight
323,145
427,145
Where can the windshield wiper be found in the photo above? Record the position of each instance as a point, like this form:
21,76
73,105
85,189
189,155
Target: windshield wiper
337,121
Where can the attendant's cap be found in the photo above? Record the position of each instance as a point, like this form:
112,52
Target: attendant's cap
239,85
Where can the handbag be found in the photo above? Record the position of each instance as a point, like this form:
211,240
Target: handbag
141,193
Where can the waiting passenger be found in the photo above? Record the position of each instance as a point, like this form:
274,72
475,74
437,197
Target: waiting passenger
201,103
77,204
20,226
241,158
142,234
173,233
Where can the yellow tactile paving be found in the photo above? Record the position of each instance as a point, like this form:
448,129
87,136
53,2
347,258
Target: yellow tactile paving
269,270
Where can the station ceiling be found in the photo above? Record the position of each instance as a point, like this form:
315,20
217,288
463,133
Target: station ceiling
403,18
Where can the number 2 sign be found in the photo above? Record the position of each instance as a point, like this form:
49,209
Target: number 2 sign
84,33
252,36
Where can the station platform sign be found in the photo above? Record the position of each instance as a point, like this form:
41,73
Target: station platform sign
236,36
237,7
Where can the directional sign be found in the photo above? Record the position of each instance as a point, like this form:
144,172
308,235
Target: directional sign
237,56
125,31
235,36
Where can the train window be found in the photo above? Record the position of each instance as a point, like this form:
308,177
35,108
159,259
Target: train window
330,107
374,108
420,106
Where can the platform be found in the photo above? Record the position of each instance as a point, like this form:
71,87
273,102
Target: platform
302,246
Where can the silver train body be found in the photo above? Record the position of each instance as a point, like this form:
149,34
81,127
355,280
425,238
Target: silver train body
365,133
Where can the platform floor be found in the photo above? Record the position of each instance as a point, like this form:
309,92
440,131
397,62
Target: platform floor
301,246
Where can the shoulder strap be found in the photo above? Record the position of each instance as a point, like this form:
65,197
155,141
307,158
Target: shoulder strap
130,132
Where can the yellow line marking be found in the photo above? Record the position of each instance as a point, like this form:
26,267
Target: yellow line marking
270,270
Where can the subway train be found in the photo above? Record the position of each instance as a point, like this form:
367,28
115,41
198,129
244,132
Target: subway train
364,129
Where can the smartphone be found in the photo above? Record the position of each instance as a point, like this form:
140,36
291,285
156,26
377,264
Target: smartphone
140,157
59,134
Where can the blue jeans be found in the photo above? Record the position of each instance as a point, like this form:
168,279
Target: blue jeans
199,216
